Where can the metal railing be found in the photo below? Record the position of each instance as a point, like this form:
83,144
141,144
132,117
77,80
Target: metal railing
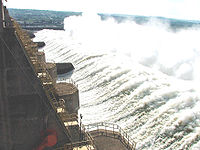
113,131
88,135
86,141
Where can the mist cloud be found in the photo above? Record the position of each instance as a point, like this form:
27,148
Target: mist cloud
152,45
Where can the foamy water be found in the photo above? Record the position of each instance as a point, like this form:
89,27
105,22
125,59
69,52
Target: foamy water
142,77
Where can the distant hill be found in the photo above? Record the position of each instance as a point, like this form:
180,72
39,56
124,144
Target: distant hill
40,19
174,24
45,19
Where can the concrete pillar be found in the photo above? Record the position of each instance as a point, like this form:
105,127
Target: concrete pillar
1,16
70,94
8,22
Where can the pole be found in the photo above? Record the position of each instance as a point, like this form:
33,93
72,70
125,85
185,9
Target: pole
80,126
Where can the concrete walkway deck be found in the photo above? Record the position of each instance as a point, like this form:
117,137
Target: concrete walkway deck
108,143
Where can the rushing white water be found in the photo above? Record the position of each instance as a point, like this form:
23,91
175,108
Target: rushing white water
142,77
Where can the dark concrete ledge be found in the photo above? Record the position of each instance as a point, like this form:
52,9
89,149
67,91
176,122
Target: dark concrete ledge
64,67
40,44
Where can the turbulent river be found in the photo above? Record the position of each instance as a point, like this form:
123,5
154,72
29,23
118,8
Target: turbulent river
144,78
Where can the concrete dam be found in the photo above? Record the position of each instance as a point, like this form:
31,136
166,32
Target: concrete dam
38,113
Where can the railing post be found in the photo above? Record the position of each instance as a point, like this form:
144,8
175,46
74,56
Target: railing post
113,130
105,130
97,128
101,125
120,132
128,140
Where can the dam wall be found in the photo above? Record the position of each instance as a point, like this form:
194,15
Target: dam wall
25,111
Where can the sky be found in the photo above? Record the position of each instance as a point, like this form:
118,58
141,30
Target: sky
182,9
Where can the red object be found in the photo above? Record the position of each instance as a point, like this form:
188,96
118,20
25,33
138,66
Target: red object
49,140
